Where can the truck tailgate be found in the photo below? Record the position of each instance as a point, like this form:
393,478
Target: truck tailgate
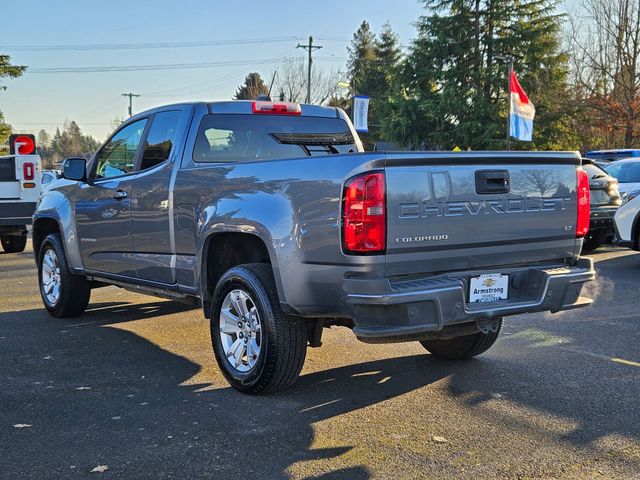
472,211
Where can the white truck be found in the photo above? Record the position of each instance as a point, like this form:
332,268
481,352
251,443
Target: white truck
20,186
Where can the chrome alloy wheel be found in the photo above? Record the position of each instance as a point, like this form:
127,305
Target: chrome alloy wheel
51,277
240,330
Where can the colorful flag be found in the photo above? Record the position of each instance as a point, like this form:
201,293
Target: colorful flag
522,112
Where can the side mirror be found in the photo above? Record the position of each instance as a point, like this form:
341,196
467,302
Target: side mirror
74,169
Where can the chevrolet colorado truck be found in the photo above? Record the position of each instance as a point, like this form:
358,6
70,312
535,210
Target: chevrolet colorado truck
272,218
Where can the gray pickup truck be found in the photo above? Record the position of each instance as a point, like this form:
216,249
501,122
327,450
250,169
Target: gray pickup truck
272,218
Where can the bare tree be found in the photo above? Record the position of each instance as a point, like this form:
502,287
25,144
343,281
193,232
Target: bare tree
605,44
291,82
539,181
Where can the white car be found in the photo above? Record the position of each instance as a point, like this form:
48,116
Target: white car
627,172
627,220
49,176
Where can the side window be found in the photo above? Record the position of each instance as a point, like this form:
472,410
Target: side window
160,139
118,156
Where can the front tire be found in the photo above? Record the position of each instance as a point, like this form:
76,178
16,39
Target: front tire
63,293
467,346
259,348
13,243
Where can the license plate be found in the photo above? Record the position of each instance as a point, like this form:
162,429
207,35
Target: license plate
489,287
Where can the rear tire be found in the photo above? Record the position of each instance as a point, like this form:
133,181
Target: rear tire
63,293
259,349
13,243
459,348
594,240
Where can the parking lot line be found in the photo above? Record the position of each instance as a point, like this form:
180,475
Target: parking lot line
625,362
601,356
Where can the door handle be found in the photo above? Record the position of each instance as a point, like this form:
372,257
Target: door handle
119,195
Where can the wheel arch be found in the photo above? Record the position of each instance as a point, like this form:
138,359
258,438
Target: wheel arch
42,227
238,248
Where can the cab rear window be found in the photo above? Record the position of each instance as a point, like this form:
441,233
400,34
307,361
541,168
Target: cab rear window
240,138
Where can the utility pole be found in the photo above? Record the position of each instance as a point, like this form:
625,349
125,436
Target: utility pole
273,79
508,59
130,95
309,48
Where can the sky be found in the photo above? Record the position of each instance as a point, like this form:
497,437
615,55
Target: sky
232,37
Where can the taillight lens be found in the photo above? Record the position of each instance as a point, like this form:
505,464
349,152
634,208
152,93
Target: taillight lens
364,214
584,199
28,171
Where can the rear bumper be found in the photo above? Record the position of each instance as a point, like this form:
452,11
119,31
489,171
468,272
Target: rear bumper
416,309
16,213
602,219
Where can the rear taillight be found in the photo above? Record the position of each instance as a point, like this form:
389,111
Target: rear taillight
28,171
364,214
279,108
584,209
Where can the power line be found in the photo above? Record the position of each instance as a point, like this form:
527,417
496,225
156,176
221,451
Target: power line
331,59
333,38
138,68
100,108
208,84
151,45
166,66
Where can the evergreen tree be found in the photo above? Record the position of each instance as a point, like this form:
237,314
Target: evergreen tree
388,56
454,89
5,130
372,69
252,87
362,60
43,141
70,142
7,70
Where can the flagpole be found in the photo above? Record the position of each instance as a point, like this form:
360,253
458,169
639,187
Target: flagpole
508,59
509,69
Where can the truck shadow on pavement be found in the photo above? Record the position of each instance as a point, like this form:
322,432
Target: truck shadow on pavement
95,395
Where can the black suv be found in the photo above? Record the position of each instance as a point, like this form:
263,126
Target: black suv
605,200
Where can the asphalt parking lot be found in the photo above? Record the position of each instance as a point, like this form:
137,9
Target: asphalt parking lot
132,387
